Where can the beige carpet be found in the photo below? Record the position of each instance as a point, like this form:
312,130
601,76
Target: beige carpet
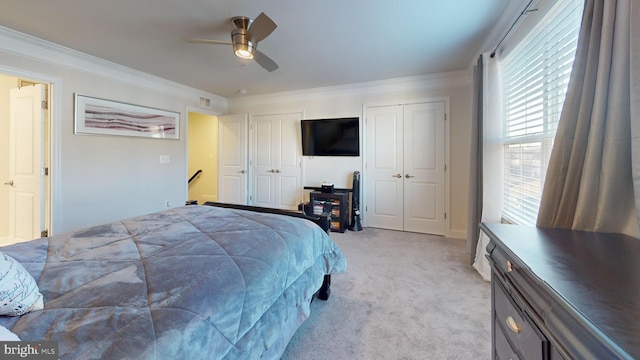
404,296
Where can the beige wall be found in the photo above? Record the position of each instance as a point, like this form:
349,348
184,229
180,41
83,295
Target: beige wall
203,155
6,83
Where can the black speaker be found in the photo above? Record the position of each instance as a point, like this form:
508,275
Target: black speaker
355,203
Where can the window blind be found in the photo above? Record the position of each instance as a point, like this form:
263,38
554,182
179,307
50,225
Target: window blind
535,79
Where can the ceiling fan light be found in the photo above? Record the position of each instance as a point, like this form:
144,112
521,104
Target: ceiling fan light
242,46
243,52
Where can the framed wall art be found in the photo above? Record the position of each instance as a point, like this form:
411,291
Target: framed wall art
107,117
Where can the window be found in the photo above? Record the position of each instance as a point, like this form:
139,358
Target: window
535,76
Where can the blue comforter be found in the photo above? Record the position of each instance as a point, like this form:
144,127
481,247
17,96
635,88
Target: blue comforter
195,282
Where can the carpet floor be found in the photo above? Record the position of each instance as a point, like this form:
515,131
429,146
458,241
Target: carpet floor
403,296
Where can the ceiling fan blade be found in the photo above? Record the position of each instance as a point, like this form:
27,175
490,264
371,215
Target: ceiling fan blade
207,41
261,27
265,61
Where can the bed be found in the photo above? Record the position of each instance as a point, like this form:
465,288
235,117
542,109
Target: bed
197,282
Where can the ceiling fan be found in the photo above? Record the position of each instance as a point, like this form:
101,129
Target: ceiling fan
245,38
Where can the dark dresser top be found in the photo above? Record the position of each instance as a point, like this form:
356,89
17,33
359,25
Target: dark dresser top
596,274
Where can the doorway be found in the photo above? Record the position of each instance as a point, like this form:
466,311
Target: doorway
202,159
25,187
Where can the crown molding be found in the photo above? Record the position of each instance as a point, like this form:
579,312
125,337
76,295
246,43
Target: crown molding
27,46
413,83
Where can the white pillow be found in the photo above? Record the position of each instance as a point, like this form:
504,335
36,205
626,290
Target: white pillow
19,292
7,335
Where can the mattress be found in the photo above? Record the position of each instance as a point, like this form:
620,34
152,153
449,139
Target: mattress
189,282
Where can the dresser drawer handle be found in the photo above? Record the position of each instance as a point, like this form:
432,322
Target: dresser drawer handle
509,266
513,325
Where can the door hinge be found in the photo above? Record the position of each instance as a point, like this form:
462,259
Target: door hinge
250,197
45,171
44,105
445,167
44,233
445,216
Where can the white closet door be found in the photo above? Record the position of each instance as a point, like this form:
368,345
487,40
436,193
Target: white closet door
289,162
424,174
384,167
263,161
232,166
405,167
275,160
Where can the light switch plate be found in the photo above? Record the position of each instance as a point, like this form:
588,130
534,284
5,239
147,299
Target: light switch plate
165,159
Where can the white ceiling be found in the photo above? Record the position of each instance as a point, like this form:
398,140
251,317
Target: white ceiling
317,43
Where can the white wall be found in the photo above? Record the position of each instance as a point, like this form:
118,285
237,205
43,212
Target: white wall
97,179
344,101
105,178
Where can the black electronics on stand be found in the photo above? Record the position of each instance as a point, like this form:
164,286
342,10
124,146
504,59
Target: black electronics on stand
355,203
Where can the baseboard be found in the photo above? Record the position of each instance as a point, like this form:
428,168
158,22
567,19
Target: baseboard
207,197
5,240
458,234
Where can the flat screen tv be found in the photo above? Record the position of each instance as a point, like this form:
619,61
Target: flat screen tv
331,137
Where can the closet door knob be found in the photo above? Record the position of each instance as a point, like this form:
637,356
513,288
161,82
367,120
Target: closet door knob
10,183
399,176
408,176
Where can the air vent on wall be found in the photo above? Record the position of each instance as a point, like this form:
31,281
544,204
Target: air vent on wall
204,102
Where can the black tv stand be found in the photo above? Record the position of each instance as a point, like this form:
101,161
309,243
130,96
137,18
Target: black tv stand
335,205
313,188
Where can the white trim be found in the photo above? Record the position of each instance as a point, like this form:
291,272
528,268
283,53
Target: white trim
423,82
20,44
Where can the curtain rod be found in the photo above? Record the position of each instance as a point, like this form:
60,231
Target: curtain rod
523,13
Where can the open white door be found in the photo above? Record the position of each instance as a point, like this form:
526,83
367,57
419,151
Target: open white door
232,155
26,159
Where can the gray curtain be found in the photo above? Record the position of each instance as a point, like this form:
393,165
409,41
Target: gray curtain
474,213
634,47
589,183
